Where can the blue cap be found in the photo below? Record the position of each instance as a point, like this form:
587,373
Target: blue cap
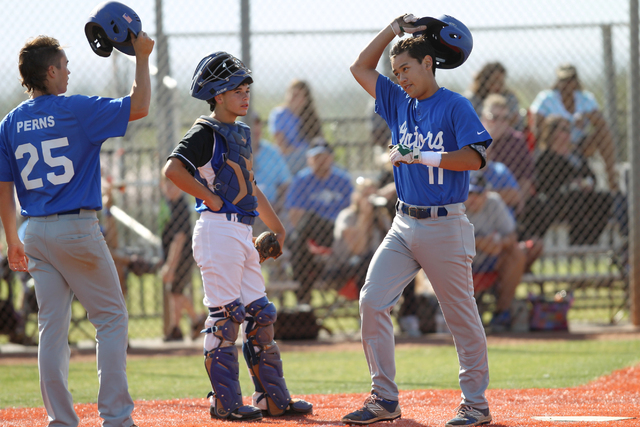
318,145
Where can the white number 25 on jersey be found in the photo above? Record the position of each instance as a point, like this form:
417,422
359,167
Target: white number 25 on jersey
49,159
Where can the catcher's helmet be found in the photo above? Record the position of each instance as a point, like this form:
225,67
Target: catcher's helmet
217,73
450,38
108,27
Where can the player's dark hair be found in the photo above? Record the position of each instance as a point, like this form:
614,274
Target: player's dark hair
212,101
416,47
35,58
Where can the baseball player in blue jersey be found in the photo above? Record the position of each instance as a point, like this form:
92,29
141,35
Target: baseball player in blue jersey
436,139
214,163
49,151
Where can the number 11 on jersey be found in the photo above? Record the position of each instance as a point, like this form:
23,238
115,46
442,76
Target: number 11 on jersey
440,175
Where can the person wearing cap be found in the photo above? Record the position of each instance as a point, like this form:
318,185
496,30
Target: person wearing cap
590,132
500,260
314,199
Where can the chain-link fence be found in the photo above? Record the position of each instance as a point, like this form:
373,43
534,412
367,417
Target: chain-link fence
549,87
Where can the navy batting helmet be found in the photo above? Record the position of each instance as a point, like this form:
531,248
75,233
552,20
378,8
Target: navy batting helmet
450,38
217,73
108,27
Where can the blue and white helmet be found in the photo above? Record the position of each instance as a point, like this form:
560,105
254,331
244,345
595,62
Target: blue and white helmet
450,38
217,73
108,27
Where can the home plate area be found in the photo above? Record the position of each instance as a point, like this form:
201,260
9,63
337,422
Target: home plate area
613,399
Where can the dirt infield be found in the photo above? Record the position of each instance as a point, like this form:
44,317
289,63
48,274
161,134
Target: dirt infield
616,395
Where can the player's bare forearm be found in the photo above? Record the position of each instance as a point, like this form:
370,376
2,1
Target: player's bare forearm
8,213
268,215
364,67
465,159
15,248
176,171
141,88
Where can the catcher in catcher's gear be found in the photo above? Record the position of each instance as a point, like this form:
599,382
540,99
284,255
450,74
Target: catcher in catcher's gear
213,162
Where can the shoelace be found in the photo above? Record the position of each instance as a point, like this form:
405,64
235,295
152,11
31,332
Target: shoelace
370,400
465,409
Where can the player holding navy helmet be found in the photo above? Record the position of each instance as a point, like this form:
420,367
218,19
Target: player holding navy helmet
436,139
49,150
214,163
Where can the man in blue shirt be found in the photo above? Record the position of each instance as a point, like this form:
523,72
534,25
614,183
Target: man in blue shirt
315,197
437,138
50,151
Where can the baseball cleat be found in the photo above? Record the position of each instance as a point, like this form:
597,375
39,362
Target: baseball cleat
468,416
243,413
295,407
375,409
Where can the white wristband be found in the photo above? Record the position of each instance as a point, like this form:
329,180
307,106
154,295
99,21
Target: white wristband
430,158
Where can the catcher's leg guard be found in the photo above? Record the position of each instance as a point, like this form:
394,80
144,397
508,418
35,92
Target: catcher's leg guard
221,364
263,359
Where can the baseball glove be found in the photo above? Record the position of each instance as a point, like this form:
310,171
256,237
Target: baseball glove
268,246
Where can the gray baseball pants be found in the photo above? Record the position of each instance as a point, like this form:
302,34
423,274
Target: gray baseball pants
68,255
444,248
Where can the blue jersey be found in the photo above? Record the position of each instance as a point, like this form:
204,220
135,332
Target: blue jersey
326,196
50,148
444,122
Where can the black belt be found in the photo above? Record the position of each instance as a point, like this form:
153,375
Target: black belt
72,212
419,213
245,219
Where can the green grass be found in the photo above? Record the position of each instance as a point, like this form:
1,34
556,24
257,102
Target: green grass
554,364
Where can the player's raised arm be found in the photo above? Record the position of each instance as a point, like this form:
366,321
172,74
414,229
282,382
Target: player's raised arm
364,67
141,88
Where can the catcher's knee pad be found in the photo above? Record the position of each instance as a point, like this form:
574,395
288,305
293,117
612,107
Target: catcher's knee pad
221,362
263,356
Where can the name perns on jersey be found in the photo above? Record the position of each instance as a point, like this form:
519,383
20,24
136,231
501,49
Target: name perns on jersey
35,124
415,138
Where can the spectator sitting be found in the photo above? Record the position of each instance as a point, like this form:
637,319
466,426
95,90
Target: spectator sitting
565,189
357,233
509,145
314,199
589,131
502,181
270,170
500,260
491,80
294,124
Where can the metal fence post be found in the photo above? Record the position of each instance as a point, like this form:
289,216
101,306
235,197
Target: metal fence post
634,159
611,104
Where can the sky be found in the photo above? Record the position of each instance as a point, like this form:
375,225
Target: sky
525,35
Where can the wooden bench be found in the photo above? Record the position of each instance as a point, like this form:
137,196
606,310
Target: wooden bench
595,274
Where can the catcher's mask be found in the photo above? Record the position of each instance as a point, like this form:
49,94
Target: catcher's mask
450,38
217,73
108,27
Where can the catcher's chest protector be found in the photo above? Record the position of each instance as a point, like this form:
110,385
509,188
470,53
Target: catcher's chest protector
234,179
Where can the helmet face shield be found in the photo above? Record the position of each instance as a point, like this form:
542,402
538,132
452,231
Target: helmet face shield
218,73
